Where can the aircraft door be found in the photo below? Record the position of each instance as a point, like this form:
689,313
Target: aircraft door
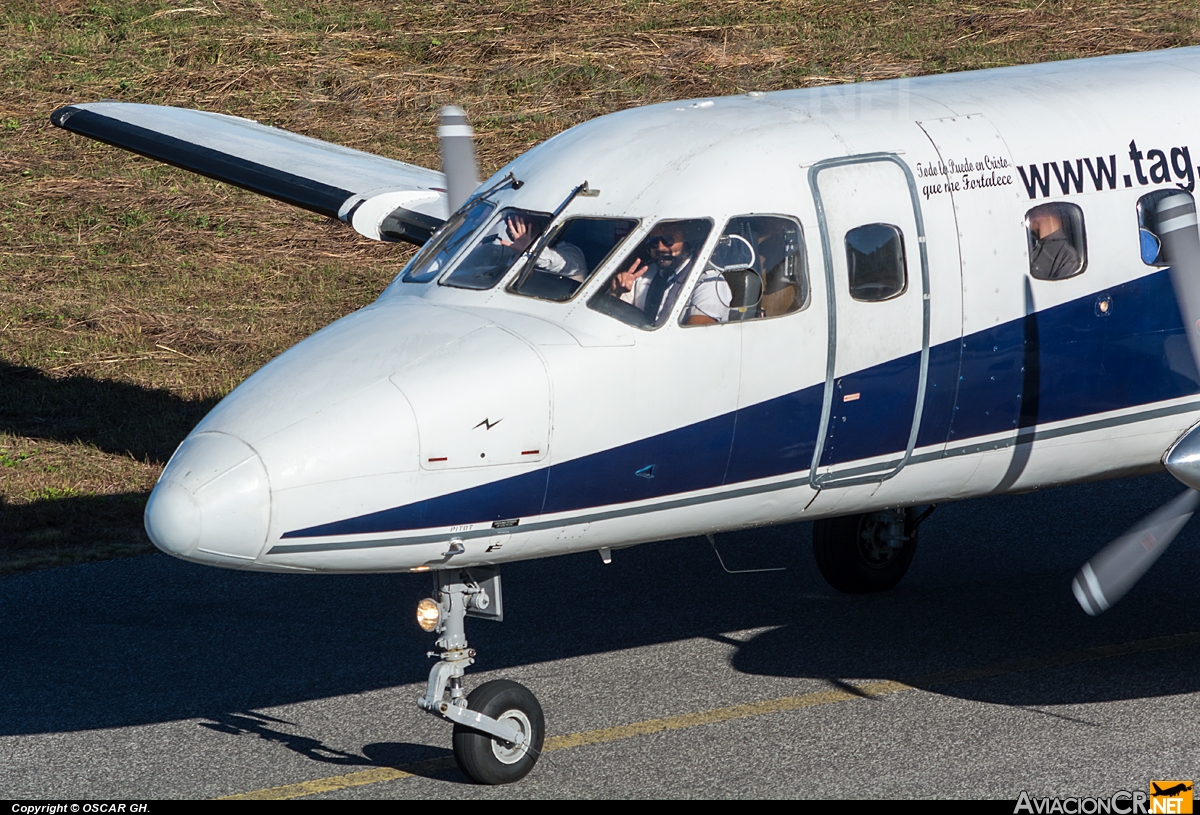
877,278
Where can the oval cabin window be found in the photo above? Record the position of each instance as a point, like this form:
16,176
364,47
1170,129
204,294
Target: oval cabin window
1057,241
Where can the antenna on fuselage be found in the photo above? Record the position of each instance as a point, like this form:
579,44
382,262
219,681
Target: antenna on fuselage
456,142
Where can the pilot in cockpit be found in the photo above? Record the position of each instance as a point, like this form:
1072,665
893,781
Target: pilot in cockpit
712,297
562,259
652,280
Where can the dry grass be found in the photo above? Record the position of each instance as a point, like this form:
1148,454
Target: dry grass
132,295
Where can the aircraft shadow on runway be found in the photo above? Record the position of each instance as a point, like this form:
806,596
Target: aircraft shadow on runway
116,417
152,639
381,754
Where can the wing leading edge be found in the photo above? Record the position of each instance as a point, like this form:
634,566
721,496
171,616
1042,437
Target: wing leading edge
381,198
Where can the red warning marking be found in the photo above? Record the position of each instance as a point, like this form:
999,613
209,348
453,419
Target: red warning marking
530,452
442,458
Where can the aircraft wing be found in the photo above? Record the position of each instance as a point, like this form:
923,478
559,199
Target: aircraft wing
381,198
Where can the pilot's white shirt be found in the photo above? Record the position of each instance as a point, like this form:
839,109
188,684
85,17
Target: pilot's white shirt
711,297
565,260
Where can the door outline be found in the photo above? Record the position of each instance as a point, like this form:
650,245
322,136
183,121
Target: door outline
866,475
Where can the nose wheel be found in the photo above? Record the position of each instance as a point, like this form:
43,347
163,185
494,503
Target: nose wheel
499,728
488,760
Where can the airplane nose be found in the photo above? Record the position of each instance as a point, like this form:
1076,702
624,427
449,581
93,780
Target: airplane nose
213,499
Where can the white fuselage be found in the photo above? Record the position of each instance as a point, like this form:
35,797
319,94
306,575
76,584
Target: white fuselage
522,427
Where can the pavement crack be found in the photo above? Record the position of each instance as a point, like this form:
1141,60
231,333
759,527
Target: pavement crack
1057,715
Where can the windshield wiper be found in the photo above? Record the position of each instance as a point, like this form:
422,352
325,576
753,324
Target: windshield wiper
492,190
544,238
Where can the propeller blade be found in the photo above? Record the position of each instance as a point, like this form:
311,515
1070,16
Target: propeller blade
1181,249
456,142
1106,578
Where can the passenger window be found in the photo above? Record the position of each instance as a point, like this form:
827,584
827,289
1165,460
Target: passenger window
506,240
1057,241
756,270
643,289
434,256
570,258
875,262
1149,236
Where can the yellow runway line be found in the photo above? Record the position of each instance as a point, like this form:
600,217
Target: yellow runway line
722,714
870,690
375,775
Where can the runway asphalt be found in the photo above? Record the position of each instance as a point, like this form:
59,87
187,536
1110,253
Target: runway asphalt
660,675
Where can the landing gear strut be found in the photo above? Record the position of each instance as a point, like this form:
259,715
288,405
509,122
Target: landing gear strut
869,552
499,729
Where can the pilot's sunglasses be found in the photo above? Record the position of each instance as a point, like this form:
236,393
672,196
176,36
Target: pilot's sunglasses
666,240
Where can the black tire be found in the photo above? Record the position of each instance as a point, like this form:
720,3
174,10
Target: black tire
486,760
853,559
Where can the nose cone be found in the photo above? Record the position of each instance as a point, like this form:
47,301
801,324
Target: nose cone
213,501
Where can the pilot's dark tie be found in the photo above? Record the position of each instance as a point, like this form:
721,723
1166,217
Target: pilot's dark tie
654,294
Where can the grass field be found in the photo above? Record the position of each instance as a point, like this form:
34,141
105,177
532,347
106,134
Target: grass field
133,295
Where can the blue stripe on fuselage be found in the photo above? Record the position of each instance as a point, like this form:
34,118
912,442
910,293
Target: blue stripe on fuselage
1065,362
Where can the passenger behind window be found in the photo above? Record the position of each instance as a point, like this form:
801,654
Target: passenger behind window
756,270
1150,245
1147,214
646,284
1057,244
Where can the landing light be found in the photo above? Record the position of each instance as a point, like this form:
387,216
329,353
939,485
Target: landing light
428,614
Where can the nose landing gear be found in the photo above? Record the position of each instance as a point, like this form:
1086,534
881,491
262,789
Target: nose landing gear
499,729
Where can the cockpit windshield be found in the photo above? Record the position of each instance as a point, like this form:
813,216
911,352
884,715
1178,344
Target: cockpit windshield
434,256
503,243
569,259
